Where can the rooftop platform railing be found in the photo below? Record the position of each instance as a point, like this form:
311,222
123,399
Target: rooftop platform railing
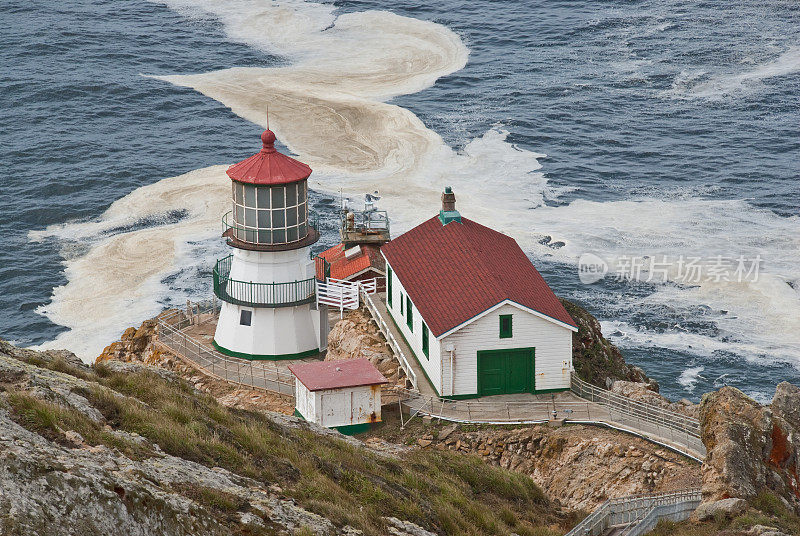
365,226
252,294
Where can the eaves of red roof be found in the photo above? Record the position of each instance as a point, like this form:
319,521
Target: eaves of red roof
268,166
455,272
342,267
319,375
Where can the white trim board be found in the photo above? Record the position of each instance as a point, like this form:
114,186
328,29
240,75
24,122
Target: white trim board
497,306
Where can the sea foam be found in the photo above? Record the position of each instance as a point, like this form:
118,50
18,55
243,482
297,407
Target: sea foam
328,104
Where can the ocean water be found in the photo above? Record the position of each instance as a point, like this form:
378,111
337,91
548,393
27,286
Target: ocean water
629,130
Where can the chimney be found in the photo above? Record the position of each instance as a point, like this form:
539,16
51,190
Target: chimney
448,200
449,212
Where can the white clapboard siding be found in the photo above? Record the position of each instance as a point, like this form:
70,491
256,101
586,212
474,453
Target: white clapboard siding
348,406
553,344
339,407
305,402
432,365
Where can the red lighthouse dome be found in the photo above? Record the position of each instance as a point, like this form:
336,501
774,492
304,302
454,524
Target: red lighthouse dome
269,167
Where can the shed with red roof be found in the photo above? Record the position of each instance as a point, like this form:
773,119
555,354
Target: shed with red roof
345,394
478,316
360,262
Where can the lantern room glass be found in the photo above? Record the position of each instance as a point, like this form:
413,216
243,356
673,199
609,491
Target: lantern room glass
270,214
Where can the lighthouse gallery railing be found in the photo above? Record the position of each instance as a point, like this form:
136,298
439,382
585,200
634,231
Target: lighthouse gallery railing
260,294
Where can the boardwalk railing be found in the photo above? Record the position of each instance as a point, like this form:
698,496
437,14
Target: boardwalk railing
254,374
489,411
638,513
671,426
387,333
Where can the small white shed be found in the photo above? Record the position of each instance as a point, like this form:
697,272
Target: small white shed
345,395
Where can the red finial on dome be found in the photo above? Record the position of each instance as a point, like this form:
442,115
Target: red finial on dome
268,139
268,166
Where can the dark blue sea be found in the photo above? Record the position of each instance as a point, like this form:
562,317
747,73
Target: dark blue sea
635,131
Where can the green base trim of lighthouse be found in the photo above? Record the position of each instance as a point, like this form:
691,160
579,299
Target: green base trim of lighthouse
264,357
347,429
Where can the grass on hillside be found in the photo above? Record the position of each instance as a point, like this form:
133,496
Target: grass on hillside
445,492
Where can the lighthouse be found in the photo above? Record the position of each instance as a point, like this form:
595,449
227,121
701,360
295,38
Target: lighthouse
267,284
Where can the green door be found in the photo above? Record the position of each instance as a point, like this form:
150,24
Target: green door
505,371
491,374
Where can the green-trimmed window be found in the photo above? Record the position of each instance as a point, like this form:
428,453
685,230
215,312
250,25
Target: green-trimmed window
409,314
389,285
402,301
506,327
425,345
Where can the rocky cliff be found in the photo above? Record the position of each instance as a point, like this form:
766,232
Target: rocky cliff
752,448
123,448
577,466
595,358
355,336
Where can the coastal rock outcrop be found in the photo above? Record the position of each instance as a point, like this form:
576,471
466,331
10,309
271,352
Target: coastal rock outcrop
135,344
752,448
596,360
125,448
356,336
579,466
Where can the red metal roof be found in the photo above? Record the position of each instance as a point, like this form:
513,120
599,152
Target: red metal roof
342,267
457,271
268,166
319,375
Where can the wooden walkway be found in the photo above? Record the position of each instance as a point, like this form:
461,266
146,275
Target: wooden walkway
423,385
187,337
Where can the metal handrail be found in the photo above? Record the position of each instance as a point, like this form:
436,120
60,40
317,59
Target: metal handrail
665,511
636,409
632,510
387,333
260,294
264,376
581,411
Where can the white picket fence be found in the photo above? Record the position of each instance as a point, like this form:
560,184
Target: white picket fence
340,294
344,294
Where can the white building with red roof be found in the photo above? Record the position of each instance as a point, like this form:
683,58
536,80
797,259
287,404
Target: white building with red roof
345,395
477,314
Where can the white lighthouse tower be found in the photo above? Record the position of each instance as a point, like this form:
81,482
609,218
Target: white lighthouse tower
267,284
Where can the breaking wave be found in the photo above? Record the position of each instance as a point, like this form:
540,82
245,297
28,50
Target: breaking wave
329,104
